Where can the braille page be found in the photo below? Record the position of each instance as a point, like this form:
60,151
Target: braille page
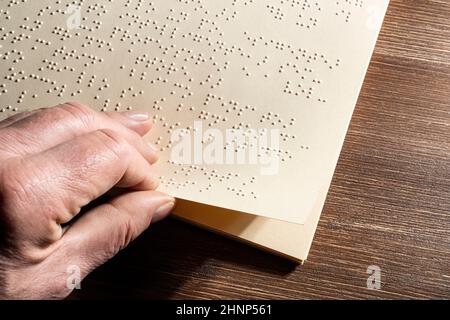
251,99
289,240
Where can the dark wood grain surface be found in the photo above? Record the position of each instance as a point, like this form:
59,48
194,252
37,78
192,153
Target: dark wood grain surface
389,204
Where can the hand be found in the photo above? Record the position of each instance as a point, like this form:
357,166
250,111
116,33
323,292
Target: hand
53,163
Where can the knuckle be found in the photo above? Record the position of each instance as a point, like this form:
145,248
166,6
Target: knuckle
19,201
78,111
77,107
20,198
13,187
113,142
124,233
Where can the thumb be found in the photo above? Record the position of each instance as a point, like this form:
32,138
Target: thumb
102,232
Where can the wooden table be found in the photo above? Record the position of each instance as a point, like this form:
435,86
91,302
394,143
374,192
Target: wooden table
389,204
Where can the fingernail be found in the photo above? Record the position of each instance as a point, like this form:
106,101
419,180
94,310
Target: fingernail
163,211
137,115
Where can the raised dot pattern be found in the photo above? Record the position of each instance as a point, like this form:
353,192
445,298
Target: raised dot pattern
182,60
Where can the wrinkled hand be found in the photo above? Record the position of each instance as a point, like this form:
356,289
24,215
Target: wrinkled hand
53,163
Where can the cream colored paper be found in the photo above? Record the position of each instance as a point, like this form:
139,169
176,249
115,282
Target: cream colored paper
292,66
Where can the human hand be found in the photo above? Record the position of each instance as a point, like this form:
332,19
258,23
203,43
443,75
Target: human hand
54,162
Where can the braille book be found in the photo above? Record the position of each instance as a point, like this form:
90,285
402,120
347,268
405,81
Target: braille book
251,99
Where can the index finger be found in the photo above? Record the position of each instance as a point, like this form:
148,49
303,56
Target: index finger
46,128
